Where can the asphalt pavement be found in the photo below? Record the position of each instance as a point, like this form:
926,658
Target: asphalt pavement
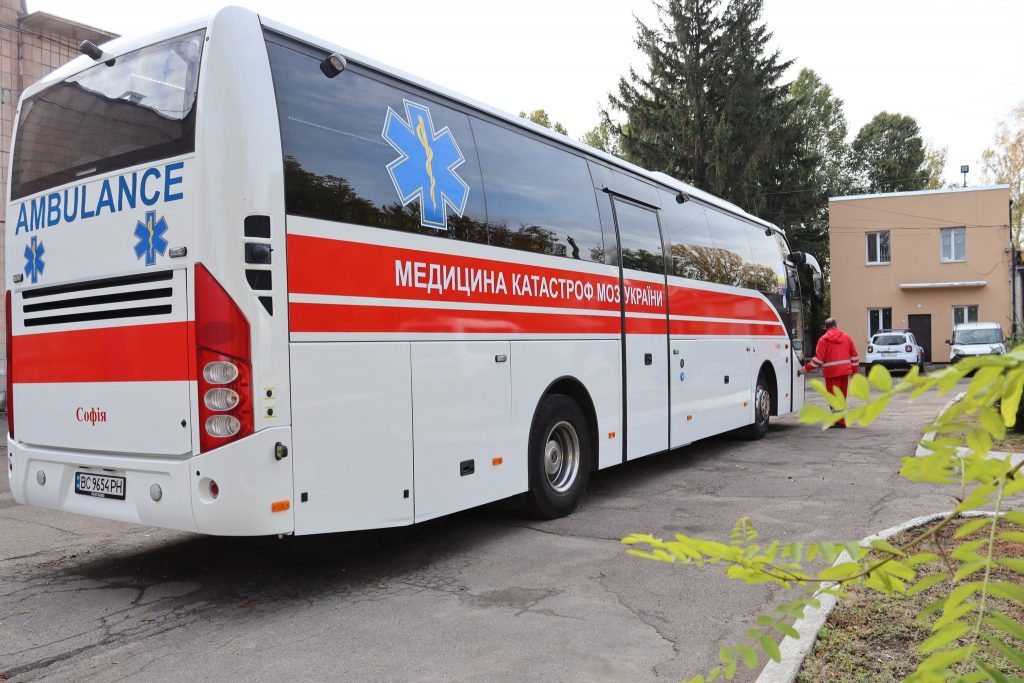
486,594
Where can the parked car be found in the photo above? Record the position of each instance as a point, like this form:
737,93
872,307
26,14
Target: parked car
894,349
976,339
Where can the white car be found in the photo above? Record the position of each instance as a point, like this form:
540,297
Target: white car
895,349
975,339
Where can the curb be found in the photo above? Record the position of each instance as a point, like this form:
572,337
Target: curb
795,651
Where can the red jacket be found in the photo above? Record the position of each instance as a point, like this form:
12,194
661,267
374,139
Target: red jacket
835,355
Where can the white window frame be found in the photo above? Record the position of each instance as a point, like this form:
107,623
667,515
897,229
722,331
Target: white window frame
876,237
966,308
880,312
953,257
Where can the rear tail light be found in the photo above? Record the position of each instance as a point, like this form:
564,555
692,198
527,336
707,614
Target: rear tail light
10,369
871,348
224,360
908,348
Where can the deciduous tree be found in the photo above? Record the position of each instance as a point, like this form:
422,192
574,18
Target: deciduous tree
541,118
1004,161
888,155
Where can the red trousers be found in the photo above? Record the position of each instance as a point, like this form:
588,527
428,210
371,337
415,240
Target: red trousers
843,382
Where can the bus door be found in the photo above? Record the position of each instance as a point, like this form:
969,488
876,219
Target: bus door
645,327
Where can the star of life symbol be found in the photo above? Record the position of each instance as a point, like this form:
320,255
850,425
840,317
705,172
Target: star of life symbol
151,238
34,259
426,168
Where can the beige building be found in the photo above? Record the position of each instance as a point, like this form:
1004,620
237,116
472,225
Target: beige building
31,46
922,260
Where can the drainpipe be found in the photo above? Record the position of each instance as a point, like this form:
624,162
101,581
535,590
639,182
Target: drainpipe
1013,269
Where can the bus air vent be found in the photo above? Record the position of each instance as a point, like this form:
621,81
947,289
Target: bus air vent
114,298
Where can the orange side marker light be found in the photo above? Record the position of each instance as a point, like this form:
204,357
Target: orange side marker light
611,435
497,461
280,505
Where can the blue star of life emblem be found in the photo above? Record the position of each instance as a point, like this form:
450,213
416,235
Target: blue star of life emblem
426,168
151,238
34,259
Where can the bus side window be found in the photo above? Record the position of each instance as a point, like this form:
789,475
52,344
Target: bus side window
690,249
640,237
336,159
765,273
732,249
539,195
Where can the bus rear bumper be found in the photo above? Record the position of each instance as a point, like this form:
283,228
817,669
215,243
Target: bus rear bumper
45,477
250,481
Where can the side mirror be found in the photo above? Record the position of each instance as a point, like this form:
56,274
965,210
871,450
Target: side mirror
818,282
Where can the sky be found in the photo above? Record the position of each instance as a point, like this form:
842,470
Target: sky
956,67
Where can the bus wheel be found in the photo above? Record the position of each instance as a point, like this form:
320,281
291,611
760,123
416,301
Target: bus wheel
560,458
762,410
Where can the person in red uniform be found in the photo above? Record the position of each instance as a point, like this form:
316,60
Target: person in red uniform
837,357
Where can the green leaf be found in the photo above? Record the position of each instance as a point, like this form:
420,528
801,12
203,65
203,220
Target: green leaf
1011,653
749,655
944,636
859,387
972,526
813,414
880,378
771,648
965,550
967,569
786,630
944,659
1014,563
1010,627
1011,396
992,423
1015,536
1014,516
886,547
979,441
931,608
926,583
725,656
1007,590
839,572
873,410
995,675
921,558
952,614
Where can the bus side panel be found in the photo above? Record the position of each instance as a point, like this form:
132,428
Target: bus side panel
353,462
596,364
727,382
462,402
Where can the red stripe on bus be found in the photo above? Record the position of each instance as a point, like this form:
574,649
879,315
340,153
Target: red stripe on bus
347,318
702,327
137,353
319,265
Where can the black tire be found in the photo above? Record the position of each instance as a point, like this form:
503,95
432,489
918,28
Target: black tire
560,457
762,411
920,366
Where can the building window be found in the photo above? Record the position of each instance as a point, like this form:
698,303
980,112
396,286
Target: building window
954,244
878,247
965,314
879,319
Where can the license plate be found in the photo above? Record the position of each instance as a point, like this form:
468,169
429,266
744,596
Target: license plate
99,485
889,353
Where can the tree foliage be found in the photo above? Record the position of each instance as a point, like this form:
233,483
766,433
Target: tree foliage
602,137
541,118
1004,161
964,615
888,155
711,109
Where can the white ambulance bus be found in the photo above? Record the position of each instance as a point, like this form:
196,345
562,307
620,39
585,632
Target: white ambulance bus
259,285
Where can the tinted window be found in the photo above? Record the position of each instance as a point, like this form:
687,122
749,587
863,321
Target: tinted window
889,339
692,254
337,158
539,197
766,272
640,238
107,117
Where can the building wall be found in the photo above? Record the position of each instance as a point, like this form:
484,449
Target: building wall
914,221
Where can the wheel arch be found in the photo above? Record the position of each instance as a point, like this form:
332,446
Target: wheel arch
574,389
768,372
